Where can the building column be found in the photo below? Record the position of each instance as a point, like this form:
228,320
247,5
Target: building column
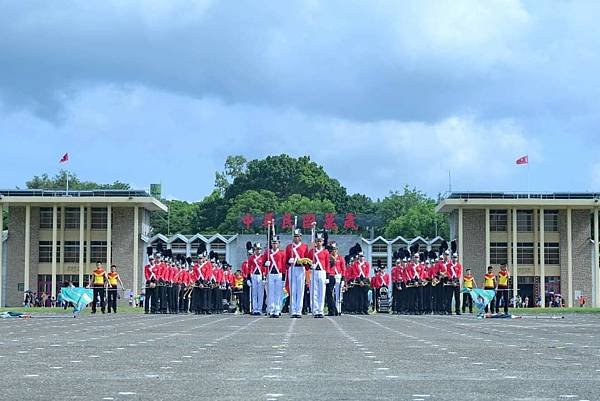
54,239
595,273
108,236
460,241
136,249
542,259
390,257
26,270
569,260
487,237
81,242
62,242
188,250
515,265
88,239
1,253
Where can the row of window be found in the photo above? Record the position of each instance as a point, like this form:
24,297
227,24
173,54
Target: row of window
499,220
499,253
99,218
97,251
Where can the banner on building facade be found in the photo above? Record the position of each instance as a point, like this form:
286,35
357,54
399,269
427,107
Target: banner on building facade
328,221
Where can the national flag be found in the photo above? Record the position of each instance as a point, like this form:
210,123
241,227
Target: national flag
523,160
65,158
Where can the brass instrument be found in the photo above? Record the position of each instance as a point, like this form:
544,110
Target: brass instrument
435,281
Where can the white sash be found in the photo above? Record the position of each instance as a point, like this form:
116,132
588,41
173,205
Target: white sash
256,266
361,274
273,263
316,258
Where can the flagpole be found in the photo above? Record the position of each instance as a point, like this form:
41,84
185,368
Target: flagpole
528,179
67,193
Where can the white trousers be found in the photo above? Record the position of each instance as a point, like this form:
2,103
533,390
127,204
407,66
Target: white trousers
274,294
317,291
297,283
337,292
258,290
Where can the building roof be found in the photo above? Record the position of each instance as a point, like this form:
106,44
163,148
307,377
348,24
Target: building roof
41,197
558,200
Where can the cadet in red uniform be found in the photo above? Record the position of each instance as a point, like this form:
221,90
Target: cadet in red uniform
411,285
296,276
246,273
150,290
396,287
276,269
361,273
337,272
454,273
99,279
380,280
256,265
320,262
426,277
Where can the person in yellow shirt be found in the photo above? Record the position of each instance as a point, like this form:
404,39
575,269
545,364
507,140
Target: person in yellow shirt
489,283
98,284
502,289
469,283
114,280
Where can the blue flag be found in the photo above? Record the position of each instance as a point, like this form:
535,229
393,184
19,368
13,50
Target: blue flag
79,297
481,298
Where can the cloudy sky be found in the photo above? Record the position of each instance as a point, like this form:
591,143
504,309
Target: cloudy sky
381,93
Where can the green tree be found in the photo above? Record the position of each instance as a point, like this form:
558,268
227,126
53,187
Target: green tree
235,166
181,218
211,212
253,202
59,182
360,204
420,219
298,204
397,204
285,176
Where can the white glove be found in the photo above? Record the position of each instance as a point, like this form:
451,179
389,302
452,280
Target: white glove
249,283
267,263
326,281
291,261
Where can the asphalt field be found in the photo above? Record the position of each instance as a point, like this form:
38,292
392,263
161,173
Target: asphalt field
233,357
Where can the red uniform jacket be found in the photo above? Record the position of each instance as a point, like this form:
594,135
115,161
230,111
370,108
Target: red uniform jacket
379,280
245,269
296,251
339,266
320,259
277,260
454,270
396,274
228,278
358,268
148,272
257,262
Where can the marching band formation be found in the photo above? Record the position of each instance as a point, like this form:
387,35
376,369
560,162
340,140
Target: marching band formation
301,279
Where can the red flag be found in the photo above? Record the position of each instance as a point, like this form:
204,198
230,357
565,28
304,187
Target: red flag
523,160
65,158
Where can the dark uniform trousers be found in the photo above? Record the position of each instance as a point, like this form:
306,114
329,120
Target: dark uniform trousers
453,291
150,302
467,301
99,292
174,299
162,297
246,296
396,305
112,298
329,296
427,301
502,294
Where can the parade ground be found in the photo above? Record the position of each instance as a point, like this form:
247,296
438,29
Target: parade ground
132,356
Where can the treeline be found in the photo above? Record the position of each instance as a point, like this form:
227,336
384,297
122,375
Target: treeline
280,184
